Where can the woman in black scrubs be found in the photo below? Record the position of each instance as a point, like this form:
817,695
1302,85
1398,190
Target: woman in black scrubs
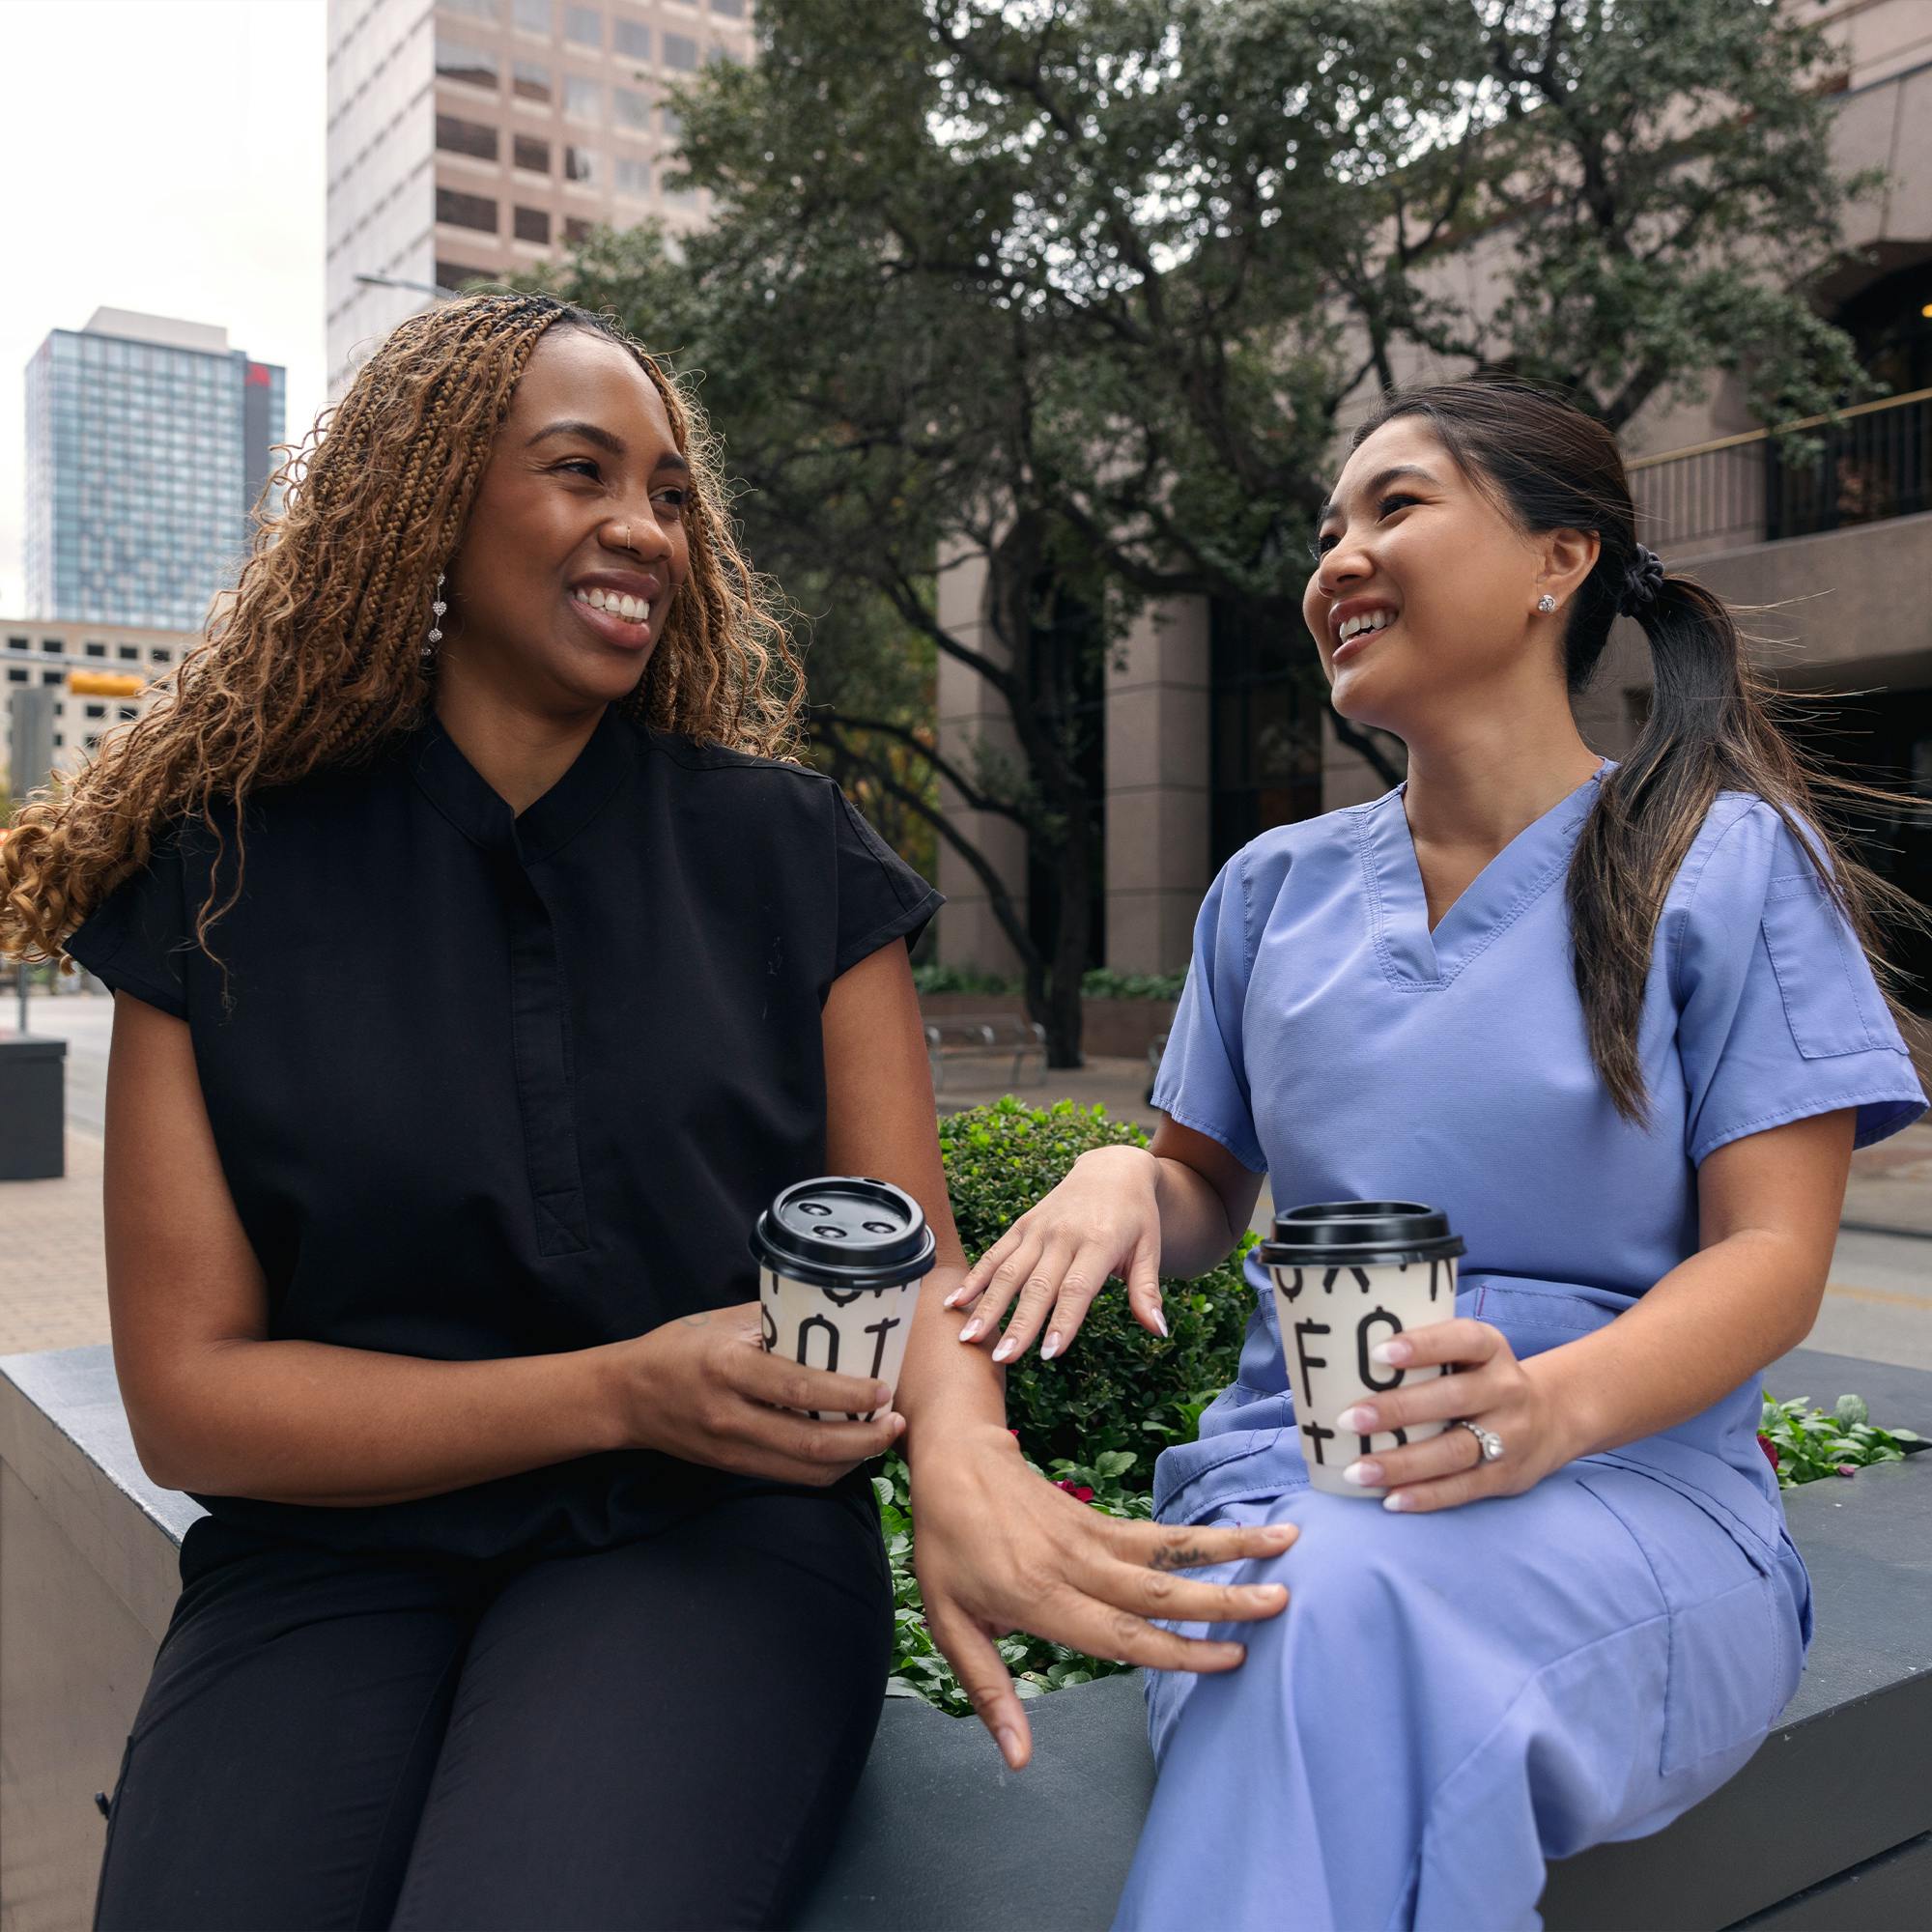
482,966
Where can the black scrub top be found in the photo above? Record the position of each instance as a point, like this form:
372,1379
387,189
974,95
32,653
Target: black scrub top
487,1084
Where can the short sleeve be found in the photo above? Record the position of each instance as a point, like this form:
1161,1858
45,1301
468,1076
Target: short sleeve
880,896
1779,1016
1203,1080
135,939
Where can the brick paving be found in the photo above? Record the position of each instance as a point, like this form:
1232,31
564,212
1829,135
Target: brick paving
53,1278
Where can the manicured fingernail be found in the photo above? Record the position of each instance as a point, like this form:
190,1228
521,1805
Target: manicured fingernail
1006,1346
1396,1500
1365,1474
1050,1347
1392,1354
971,1329
1361,1420
1010,1747
954,1299
1161,1323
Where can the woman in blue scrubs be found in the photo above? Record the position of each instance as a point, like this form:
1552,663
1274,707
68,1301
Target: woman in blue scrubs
1619,1021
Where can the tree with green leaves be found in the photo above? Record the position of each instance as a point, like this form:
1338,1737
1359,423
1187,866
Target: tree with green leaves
1080,288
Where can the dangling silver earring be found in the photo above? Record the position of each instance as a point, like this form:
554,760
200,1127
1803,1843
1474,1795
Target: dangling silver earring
437,607
1545,601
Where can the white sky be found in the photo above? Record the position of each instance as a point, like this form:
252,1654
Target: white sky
163,155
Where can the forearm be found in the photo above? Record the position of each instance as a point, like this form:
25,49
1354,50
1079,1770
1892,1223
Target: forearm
302,1422
1711,1323
945,1391
1194,1232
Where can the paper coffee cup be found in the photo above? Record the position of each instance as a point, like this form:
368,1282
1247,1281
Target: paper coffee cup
840,1259
1348,1274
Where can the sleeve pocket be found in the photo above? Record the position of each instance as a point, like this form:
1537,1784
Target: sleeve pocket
1827,1003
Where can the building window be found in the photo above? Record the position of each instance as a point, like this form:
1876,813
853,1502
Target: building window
465,137
52,644
584,25
731,10
532,225
128,713
531,154
580,164
533,15
162,655
458,59
18,643
669,123
93,741
453,274
53,677
634,109
633,177
632,38
530,81
95,650
128,653
466,210
576,228
583,99
477,10
18,674
97,711
681,52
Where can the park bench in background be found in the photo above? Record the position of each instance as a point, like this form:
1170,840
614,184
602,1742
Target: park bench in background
983,1036
1828,1826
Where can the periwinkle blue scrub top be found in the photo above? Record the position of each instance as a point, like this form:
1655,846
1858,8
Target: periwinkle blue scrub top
1327,1037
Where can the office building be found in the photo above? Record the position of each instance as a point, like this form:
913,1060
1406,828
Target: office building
479,137
38,652
147,444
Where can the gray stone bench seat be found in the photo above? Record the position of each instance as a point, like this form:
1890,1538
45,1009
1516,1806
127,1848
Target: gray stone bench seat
1830,1826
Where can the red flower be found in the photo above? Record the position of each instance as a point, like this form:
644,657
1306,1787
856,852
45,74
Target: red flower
1079,1492
1769,1447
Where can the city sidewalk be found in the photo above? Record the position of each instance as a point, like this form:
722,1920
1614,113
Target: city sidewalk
54,1282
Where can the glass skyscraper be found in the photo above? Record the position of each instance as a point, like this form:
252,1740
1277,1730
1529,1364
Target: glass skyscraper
148,445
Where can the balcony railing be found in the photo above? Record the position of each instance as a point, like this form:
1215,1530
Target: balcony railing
1874,461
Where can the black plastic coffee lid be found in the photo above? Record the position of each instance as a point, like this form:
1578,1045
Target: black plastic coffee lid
1336,1231
845,1230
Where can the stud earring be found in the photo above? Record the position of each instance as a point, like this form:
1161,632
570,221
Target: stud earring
436,607
1545,601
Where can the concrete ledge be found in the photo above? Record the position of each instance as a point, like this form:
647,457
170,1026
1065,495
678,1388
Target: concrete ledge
941,1837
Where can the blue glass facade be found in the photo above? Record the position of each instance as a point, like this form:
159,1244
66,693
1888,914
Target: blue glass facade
144,460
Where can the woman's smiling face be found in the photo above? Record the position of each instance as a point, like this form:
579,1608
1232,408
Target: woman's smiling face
584,494
1408,537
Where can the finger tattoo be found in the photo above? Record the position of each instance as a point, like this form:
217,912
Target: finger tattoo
1183,1557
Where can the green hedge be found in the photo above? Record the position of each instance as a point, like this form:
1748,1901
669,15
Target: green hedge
1118,1388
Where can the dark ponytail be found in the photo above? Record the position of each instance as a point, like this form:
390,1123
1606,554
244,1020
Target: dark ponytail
1549,465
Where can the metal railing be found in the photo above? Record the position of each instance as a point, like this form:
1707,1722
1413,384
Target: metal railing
1871,461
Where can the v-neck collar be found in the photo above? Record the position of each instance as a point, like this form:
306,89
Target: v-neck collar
468,800
1493,900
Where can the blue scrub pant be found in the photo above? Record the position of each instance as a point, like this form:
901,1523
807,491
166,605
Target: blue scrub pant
1453,1698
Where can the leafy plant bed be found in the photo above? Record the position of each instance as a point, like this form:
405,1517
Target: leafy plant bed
1804,1444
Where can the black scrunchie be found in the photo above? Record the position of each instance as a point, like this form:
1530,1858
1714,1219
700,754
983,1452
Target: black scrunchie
1642,581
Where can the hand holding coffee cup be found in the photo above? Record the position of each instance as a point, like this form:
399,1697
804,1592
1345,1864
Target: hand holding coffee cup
840,1259
1349,1276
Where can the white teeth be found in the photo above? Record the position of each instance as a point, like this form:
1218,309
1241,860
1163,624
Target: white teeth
633,609
1374,620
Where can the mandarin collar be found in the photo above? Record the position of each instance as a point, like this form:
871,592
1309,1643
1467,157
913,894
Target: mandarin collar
466,798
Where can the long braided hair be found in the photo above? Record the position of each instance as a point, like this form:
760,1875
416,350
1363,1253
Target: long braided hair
314,658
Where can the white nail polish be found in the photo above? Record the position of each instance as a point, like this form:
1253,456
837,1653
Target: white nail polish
1395,1500
971,1329
1161,1323
1049,1349
1354,1473
1004,1348
1353,1420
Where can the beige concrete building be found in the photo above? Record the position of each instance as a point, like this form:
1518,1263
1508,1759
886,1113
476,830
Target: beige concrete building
43,651
1205,743
477,137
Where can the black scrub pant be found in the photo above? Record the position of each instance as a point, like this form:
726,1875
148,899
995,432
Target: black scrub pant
659,1734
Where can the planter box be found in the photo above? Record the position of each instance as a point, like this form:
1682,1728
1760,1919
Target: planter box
32,1109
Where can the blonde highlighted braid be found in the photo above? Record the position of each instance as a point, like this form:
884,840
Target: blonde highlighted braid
313,658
